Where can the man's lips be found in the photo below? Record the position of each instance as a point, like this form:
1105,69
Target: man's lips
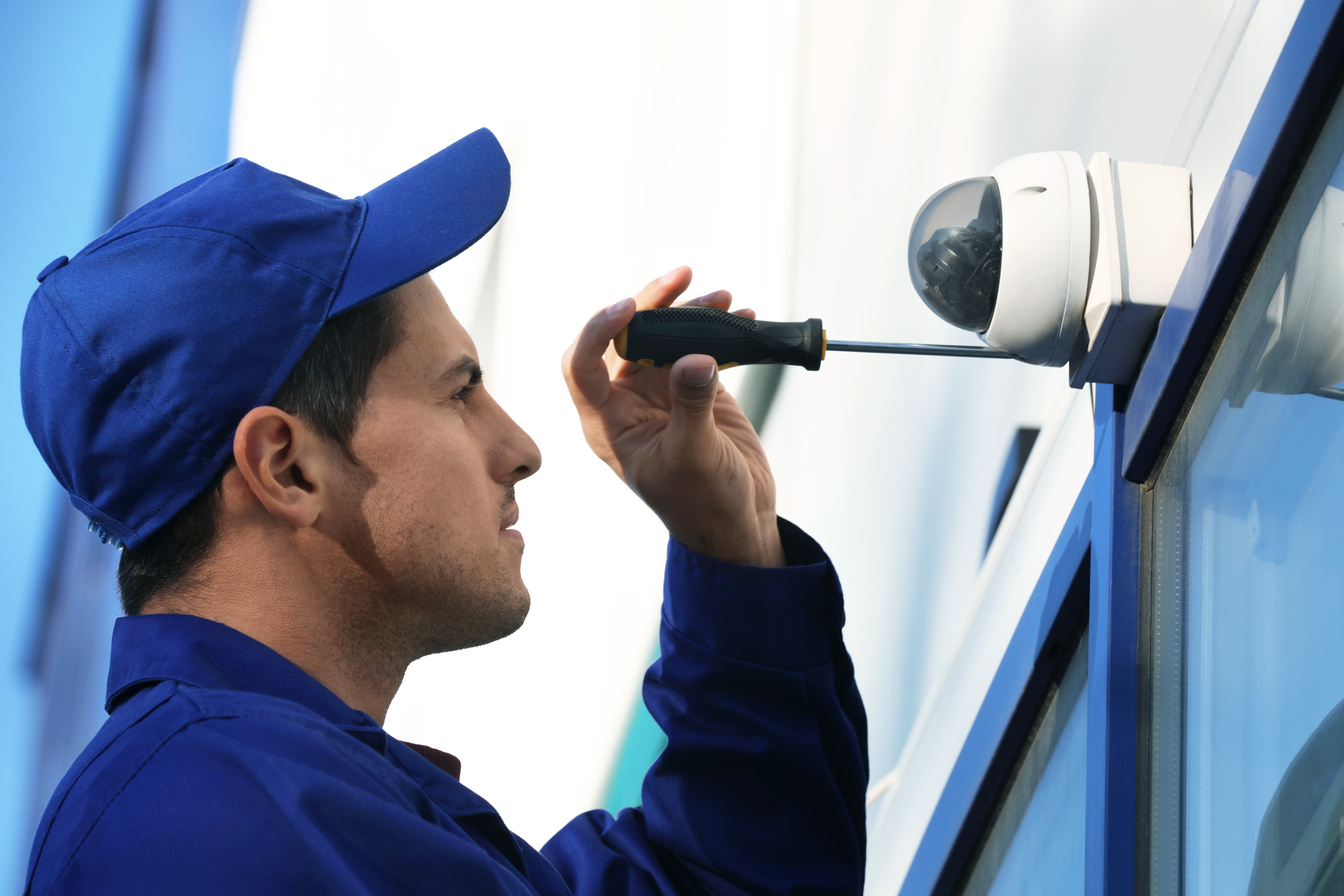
506,530
511,535
509,518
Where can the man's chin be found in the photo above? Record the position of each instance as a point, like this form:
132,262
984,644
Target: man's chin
504,616
518,618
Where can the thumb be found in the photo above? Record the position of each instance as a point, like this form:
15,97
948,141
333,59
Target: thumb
694,384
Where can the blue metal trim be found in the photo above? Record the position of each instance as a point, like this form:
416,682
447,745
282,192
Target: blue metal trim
1113,663
1300,92
982,768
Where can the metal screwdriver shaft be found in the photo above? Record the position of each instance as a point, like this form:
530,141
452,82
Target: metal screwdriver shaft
916,348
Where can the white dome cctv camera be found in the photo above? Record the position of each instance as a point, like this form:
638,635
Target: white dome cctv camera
1056,263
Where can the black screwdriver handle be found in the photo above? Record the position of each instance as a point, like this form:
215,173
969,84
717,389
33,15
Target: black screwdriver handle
659,336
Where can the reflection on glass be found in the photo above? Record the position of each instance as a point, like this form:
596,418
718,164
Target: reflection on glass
1035,843
1303,327
1248,588
1263,663
1301,843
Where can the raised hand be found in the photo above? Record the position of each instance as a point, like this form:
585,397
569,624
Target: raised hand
676,437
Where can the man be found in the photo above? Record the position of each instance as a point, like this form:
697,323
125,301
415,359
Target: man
255,389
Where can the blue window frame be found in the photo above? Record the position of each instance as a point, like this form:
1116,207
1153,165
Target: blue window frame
1087,585
1039,649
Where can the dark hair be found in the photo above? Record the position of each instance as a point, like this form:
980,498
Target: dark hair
326,389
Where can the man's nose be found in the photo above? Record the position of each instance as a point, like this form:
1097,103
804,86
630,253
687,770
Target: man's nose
519,455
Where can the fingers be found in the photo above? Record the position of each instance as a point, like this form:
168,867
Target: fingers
661,292
590,363
584,368
719,298
694,386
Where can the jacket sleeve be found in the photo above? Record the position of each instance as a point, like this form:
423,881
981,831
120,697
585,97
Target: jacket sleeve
761,786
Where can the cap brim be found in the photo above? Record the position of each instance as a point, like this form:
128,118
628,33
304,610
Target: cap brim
425,216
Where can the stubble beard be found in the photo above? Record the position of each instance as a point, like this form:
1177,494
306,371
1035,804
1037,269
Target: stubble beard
468,605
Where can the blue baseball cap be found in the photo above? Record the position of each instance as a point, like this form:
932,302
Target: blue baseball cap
143,352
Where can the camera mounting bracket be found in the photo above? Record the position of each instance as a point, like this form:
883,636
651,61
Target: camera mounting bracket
1142,227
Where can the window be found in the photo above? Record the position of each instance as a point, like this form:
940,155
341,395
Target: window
1247,749
1035,842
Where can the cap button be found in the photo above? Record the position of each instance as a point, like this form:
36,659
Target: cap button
58,263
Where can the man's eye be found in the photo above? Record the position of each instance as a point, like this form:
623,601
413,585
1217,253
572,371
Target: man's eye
464,394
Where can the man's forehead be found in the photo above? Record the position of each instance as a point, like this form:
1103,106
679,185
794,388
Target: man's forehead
433,332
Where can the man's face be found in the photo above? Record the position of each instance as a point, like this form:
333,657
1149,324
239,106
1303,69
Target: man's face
426,513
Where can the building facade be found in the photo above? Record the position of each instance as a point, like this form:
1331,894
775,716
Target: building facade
1165,715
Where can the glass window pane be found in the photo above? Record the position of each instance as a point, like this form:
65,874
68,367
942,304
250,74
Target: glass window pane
1248,519
1035,843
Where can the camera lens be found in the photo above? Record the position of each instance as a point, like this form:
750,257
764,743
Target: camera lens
956,250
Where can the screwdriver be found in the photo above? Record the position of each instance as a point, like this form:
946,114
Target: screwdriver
659,336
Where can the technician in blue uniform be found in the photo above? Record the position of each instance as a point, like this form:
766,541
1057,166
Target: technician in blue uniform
253,387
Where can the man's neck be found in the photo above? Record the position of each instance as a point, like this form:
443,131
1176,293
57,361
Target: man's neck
347,649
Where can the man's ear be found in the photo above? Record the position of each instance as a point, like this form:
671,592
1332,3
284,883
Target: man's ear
285,464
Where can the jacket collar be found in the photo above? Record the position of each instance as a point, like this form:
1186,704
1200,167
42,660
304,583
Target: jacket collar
150,649
199,652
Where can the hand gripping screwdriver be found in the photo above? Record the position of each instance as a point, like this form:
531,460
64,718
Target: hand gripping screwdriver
659,336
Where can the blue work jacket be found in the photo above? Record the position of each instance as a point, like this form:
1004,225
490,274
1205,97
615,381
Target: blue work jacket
224,768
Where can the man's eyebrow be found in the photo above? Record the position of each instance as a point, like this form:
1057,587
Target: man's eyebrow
467,367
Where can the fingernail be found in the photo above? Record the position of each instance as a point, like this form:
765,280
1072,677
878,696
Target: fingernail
670,274
617,307
700,375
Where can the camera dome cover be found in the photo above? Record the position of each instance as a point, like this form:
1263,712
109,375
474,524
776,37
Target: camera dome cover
956,252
